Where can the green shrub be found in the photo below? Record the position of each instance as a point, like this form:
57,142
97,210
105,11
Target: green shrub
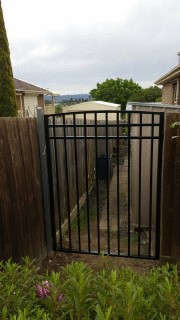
8,103
77,293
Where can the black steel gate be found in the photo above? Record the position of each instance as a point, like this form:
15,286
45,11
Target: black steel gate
105,181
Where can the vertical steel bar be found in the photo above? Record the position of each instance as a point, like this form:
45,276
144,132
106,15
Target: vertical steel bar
139,189
67,182
107,182
97,183
151,185
87,183
129,181
77,182
118,212
159,174
57,164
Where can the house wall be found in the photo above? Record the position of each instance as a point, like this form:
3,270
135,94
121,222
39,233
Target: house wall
28,102
171,92
40,99
18,99
167,93
20,105
144,175
30,105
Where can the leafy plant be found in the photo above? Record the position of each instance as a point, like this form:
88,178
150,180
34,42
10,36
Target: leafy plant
79,294
50,295
174,124
16,287
78,291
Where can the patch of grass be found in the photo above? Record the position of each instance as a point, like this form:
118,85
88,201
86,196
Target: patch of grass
83,218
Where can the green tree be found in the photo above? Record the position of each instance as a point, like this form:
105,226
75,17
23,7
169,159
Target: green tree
8,103
115,91
58,108
151,94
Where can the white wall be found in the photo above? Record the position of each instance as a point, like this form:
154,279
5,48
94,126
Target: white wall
145,162
30,104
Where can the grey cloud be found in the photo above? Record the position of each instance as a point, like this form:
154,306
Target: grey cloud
143,49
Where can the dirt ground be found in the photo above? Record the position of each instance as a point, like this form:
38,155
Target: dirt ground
55,261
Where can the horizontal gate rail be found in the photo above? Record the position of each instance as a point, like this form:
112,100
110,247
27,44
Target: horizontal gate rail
104,137
105,180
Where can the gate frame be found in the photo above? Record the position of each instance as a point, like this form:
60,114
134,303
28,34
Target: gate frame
159,173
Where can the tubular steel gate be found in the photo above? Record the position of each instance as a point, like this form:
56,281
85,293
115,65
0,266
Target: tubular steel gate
105,181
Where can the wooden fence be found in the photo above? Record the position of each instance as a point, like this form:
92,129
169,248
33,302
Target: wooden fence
170,220
22,229
21,209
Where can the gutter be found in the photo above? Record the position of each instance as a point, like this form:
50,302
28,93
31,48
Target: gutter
169,76
30,91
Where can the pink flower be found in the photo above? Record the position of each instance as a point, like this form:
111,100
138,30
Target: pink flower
42,292
46,283
60,296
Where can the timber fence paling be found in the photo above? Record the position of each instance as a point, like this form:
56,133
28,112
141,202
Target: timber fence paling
170,219
21,210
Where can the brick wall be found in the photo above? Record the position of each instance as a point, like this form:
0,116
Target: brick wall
167,93
41,101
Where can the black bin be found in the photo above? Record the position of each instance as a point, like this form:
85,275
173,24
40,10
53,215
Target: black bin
104,167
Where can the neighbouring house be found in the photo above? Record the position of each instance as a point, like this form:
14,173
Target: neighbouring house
171,85
29,96
94,106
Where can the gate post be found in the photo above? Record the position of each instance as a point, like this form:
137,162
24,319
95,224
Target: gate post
44,177
170,218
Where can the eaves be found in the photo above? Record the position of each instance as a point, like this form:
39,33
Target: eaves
174,73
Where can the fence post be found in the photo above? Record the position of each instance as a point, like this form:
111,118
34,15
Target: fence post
44,177
170,218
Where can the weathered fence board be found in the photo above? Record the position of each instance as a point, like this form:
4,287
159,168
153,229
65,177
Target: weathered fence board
170,224
21,210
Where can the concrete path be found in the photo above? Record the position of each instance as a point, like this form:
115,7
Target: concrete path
123,194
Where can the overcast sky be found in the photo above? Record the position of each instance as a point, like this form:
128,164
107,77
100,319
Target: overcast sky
70,45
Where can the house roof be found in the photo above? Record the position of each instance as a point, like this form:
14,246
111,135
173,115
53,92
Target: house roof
174,73
27,87
92,106
153,105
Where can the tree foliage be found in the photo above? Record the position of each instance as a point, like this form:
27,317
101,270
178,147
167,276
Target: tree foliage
115,91
8,103
151,94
